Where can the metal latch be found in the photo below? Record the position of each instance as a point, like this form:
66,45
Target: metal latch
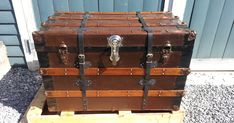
115,41
63,53
166,52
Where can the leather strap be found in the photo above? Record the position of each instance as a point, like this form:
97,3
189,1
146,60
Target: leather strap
146,82
82,82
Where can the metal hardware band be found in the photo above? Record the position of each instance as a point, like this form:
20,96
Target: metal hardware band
147,82
114,71
115,93
81,60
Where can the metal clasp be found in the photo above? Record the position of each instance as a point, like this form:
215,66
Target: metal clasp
115,41
63,53
166,52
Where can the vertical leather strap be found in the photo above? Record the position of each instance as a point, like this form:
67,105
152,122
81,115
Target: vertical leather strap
82,82
146,82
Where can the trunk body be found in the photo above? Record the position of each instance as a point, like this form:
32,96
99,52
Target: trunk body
115,70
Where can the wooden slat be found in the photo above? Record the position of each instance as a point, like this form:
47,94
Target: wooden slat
61,5
115,93
112,13
34,115
223,31
76,5
106,5
210,28
113,71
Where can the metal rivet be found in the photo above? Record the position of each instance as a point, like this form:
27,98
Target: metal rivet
65,71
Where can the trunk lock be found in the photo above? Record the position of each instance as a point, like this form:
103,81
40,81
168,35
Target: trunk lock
115,41
63,53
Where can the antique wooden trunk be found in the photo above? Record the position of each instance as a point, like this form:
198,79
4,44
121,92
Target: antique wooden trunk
114,61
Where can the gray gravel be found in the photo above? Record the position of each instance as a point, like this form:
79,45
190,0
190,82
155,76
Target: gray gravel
17,89
209,96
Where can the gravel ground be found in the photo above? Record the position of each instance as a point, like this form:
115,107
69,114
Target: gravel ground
17,89
209,96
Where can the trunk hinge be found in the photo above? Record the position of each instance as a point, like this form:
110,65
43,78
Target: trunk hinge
146,82
80,63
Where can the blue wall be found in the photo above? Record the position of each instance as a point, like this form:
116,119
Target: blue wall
213,20
45,8
9,33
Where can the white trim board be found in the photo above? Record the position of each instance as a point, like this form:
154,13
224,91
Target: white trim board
212,64
26,24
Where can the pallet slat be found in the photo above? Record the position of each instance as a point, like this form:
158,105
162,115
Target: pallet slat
34,115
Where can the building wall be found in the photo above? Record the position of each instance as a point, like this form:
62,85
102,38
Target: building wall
213,20
45,8
9,33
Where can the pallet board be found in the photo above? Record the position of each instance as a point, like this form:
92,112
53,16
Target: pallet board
34,115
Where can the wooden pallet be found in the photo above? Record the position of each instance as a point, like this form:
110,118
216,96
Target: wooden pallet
34,115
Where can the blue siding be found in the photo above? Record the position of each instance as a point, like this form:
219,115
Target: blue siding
61,5
151,5
210,27
6,17
223,30
106,5
9,33
198,20
5,5
229,50
135,5
8,29
213,21
121,5
10,40
91,5
14,51
16,60
188,11
46,9
76,5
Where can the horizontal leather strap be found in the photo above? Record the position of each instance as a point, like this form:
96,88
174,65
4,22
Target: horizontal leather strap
114,71
115,93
